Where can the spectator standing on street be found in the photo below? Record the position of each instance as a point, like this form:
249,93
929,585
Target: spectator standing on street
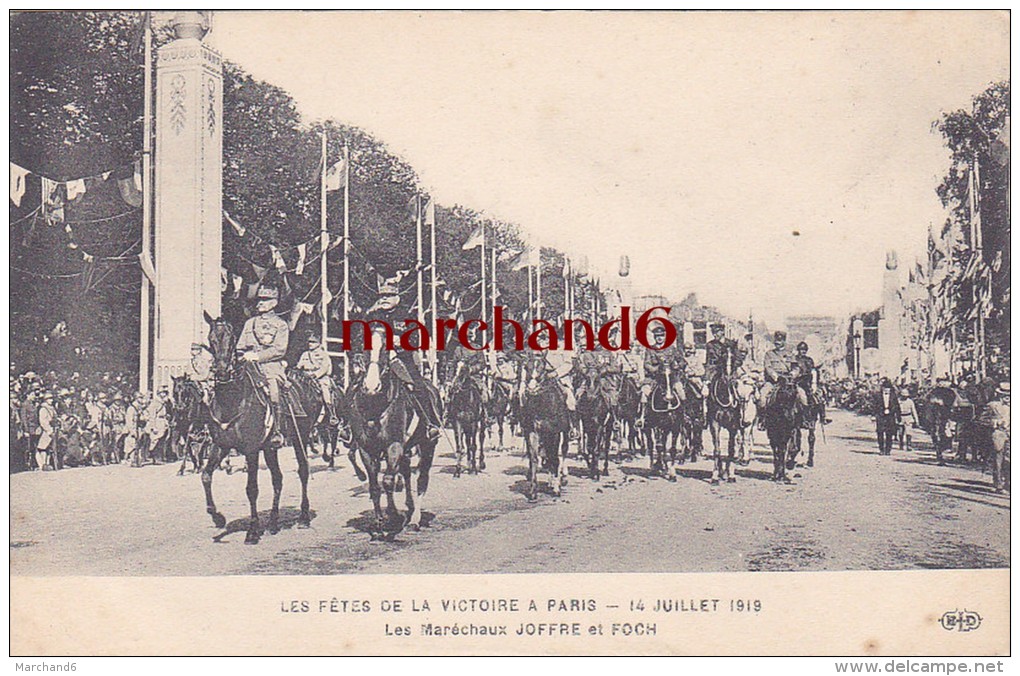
887,416
48,432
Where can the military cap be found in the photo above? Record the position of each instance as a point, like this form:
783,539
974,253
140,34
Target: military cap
802,346
1003,389
268,293
779,335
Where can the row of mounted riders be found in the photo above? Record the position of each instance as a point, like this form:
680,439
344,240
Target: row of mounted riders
382,420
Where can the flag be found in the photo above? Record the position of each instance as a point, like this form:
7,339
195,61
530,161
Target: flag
566,267
278,258
413,205
238,228
260,273
336,176
430,213
75,188
476,239
137,176
18,179
147,268
524,259
300,269
129,192
52,201
237,281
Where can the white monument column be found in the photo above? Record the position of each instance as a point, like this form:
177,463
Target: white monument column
188,187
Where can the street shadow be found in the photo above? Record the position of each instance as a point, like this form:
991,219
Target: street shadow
516,470
520,487
691,473
976,501
288,519
757,474
970,487
365,523
643,472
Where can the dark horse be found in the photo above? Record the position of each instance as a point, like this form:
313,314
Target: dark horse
628,409
664,419
782,418
599,393
725,411
387,428
464,409
498,409
188,423
240,418
545,423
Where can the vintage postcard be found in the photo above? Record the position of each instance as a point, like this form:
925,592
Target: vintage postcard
487,333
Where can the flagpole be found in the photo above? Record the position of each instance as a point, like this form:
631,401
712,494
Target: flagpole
420,270
323,248
566,288
144,345
492,295
531,294
347,251
434,303
482,288
538,283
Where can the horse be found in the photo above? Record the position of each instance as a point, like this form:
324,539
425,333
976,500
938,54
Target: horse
627,411
595,407
812,416
187,422
663,419
781,418
545,423
747,393
725,411
498,409
693,421
387,428
464,408
241,418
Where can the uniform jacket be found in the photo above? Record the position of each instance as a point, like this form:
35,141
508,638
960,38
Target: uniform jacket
777,363
715,356
47,420
267,335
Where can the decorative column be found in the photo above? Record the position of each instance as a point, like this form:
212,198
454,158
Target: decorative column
189,184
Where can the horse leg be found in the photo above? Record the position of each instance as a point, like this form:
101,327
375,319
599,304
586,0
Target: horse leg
732,451
210,507
372,467
305,519
252,490
713,429
481,449
458,432
531,441
394,453
412,514
811,447
426,452
273,462
560,448
471,433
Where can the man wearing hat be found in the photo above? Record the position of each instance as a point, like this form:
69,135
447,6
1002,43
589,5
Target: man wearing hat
908,420
887,416
777,366
30,425
157,420
133,417
716,352
315,362
655,363
425,396
995,418
263,342
48,431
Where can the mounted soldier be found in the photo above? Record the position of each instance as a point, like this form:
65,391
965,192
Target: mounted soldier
778,365
718,350
263,342
401,363
315,361
654,365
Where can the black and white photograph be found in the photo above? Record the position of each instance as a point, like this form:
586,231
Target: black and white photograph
345,295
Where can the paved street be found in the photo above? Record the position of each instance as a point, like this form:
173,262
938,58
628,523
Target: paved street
853,510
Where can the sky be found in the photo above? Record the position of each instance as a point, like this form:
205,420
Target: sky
696,143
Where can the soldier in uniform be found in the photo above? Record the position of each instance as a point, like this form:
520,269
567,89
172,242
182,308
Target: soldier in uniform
201,369
402,364
315,362
48,431
778,365
474,363
263,342
716,352
654,363
157,419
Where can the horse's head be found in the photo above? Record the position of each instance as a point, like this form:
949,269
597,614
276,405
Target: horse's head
179,398
221,343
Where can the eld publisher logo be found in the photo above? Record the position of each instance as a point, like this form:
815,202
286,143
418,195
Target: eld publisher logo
960,620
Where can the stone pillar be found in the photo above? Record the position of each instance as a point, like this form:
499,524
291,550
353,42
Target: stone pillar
188,187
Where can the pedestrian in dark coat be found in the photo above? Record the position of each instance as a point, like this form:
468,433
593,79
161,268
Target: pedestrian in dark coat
887,416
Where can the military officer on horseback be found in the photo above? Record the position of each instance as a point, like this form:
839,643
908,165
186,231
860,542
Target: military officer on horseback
718,350
263,342
402,365
654,365
779,366
201,369
808,379
315,361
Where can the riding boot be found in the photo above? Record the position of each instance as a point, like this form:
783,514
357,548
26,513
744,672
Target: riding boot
276,438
